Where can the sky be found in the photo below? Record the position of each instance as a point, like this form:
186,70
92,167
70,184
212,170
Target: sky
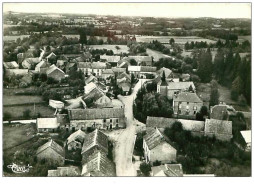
171,10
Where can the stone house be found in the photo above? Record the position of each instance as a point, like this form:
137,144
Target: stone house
147,72
169,89
71,171
51,152
222,112
186,104
156,148
101,118
75,140
113,60
55,73
167,170
28,63
107,73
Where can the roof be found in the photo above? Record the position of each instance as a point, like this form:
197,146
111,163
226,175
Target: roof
141,58
77,135
153,137
90,78
166,70
125,86
187,97
11,65
218,126
107,71
71,171
161,122
180,85
147,69
89,87
95,138
99,165
53,68
47,123
51,55
53,145
41,64
247,136
60,62
219,111
110,58
98,65
118,70
84,64
170,170
94,95
123,75
98,113
134,68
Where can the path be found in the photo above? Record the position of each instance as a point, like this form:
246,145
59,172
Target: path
125,142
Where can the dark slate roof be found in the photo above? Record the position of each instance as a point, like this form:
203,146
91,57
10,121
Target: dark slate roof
91,114
53,145
95,138
153,137
94,95
218,126
187,97
147,69
99,165
124,74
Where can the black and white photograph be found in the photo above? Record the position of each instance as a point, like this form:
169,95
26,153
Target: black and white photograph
132,89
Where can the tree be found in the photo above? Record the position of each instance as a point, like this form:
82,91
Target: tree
133,62
205,67
27,114
163,78
171,41
214,96
132,78
145,168
83,38
7,116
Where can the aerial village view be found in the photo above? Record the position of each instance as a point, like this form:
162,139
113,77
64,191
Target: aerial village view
113,95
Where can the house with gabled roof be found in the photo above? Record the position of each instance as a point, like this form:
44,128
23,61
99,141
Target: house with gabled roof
156,148
29,63
98,165
94,141
41,67
169,89
186,104
222,111
96,98
107,73
101,118
70,171
110,59
51,152
51,56
167,170
75,140
117,71
55,73
124,77
144,60
220,129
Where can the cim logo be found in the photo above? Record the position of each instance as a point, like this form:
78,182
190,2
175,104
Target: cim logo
19,168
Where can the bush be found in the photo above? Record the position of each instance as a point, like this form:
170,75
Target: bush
234,95
145,169
7,116
27,114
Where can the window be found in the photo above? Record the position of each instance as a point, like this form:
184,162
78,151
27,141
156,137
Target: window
111,120
104,120
188,103
194,112
117,120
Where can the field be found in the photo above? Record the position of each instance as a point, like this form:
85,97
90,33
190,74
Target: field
178,40
156,54
17,111
123,48
14,38
15,134
21,99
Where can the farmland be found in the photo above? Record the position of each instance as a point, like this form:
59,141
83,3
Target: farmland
178,40
15,134
14,38
244,38
122,48
9,100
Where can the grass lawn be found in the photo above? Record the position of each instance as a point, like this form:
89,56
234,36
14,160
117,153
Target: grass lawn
17,111
15,134
20,99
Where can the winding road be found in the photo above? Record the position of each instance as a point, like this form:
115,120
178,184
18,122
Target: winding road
125,142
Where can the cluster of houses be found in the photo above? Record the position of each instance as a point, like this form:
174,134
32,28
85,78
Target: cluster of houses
93,148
